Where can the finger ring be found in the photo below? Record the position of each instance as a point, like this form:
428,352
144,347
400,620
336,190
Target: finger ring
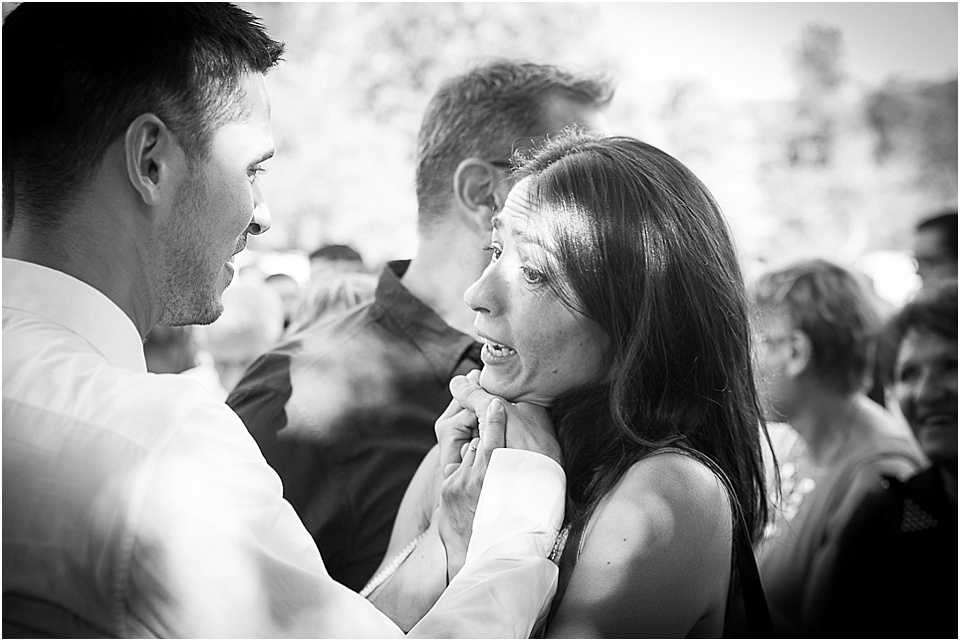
473,447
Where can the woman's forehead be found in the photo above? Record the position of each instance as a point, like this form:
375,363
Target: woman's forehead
519,201
518,215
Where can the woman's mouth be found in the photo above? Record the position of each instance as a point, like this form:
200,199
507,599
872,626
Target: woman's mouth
939,420
495,353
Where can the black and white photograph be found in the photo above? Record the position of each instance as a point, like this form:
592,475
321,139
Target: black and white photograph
480,320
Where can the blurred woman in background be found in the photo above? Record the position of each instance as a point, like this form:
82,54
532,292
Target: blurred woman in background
897,564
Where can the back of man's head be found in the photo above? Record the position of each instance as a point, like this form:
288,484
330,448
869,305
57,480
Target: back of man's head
935,247
830,305
87,70
336,253
488,113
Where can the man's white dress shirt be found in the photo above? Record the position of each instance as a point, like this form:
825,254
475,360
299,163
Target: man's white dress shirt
135,504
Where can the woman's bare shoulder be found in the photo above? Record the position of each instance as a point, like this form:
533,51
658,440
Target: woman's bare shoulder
656,552
670,496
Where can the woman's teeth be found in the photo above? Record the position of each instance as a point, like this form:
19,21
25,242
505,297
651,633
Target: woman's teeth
499,350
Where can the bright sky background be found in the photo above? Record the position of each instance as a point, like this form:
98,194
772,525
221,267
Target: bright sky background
743,49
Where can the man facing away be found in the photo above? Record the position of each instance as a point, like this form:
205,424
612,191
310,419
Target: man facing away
344,410
135,504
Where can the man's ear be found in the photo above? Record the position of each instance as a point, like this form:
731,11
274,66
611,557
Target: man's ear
150,150
475,185
800,354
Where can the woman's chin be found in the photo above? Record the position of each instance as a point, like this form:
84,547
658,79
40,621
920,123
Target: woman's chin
511,392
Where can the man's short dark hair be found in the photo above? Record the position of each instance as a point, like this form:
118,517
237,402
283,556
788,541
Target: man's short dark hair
485,113
77,74
336,252
945,223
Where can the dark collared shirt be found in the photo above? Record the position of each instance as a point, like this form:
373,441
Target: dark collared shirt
344,411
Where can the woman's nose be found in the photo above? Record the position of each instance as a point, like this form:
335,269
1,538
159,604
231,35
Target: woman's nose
478,296
929,387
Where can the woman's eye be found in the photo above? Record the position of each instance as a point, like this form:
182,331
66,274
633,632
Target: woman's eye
906,375
532,276
494,252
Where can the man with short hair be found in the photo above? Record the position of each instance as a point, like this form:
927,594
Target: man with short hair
345,410
935,248
135,504
336,257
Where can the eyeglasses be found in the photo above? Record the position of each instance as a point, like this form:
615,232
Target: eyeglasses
503,164
773,339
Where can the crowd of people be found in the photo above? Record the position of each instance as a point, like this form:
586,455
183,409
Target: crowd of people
567,415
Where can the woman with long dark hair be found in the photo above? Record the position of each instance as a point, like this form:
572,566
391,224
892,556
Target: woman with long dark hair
614,298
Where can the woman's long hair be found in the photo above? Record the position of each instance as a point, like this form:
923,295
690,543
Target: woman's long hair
643,249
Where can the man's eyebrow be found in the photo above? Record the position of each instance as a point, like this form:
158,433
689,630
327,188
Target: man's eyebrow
267,155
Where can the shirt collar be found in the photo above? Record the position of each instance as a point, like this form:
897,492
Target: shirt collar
76,306
443,346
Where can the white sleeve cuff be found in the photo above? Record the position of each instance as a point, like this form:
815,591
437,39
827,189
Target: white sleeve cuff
523,494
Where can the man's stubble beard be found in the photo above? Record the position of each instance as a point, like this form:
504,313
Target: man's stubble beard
187,295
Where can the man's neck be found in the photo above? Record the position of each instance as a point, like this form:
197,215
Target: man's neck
102,265
442,270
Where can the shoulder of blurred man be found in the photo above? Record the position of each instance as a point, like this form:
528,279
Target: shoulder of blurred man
344,411
386,356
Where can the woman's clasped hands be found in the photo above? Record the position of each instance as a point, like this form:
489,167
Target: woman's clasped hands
469,430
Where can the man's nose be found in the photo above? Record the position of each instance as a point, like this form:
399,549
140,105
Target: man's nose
261,213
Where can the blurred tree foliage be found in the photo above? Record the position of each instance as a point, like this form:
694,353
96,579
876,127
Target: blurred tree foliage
838,170
820,76
845,169
350,95
916,122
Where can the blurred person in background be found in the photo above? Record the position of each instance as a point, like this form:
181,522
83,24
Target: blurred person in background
332,294
896,572
935,248
289,291
817,329
251,323
335,257
345,410
136,504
